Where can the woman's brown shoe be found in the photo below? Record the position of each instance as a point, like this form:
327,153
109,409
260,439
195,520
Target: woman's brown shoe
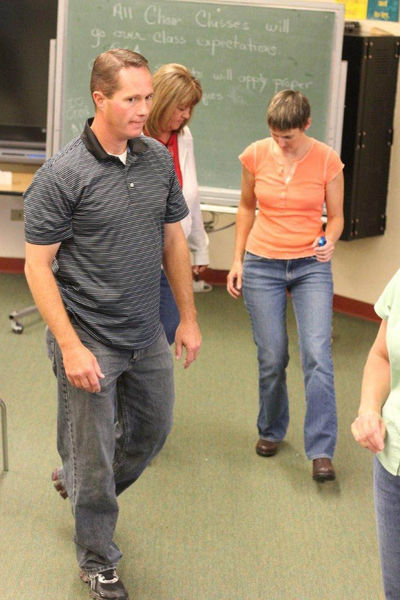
266,448
323,470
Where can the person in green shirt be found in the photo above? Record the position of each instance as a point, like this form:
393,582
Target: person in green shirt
377,428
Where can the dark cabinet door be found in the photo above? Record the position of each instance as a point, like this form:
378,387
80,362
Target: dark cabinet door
368,131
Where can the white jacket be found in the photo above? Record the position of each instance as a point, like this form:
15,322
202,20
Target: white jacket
192,225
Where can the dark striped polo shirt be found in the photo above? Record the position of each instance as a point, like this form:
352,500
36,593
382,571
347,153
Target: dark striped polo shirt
109,218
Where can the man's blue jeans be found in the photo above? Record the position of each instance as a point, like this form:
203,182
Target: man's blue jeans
106,439
265,283
169,313
387,507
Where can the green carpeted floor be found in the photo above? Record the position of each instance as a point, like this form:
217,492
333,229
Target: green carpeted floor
209,519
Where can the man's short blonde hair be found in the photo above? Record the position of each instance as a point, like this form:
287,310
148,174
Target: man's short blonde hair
106,68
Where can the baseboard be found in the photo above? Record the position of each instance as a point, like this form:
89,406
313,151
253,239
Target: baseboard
341,304
12,265
355,308
215,276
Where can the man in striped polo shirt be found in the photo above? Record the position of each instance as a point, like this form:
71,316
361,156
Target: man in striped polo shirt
100,217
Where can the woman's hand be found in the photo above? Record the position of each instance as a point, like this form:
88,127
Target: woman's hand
323,253
197,270
234,280
244,222
369,431
368,428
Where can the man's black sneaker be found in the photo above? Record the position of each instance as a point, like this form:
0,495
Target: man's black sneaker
105,585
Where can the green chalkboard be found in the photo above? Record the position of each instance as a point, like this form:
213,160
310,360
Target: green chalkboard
242,53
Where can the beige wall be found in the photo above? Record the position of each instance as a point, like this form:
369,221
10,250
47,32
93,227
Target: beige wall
362,267
11,232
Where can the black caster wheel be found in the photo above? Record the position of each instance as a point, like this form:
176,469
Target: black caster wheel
17,327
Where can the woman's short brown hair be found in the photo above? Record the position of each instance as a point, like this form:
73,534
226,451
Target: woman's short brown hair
174,86
106,68
288,110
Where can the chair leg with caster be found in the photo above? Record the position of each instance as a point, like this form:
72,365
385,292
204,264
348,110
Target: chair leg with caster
16,326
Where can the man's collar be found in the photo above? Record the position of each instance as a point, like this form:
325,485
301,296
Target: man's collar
135,145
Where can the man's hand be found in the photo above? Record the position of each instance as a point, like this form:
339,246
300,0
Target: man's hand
82,369
187,336
369,431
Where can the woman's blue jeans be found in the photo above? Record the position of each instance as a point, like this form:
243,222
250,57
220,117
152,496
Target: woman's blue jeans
387,507
265,285
106,439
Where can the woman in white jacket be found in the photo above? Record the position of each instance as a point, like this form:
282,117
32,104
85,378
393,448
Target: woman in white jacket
176,92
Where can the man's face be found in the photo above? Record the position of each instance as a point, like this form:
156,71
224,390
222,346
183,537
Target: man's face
125,113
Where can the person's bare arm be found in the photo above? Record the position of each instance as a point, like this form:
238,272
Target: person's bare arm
176,262
335,219
244,223
368,428
81,366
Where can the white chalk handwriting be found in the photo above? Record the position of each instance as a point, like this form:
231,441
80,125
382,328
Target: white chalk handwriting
279,27
293,84
205,18
209,97
122,12
76,109
97,34
249,45
153,15
162,37
129,35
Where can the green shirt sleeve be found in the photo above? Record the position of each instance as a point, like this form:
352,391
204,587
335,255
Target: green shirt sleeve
384,303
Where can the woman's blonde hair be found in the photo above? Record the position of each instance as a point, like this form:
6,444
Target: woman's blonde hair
174,86
288,110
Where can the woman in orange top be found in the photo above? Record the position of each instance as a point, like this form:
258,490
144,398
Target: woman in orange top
289,176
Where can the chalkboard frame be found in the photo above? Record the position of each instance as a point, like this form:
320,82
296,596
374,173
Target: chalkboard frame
221,195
